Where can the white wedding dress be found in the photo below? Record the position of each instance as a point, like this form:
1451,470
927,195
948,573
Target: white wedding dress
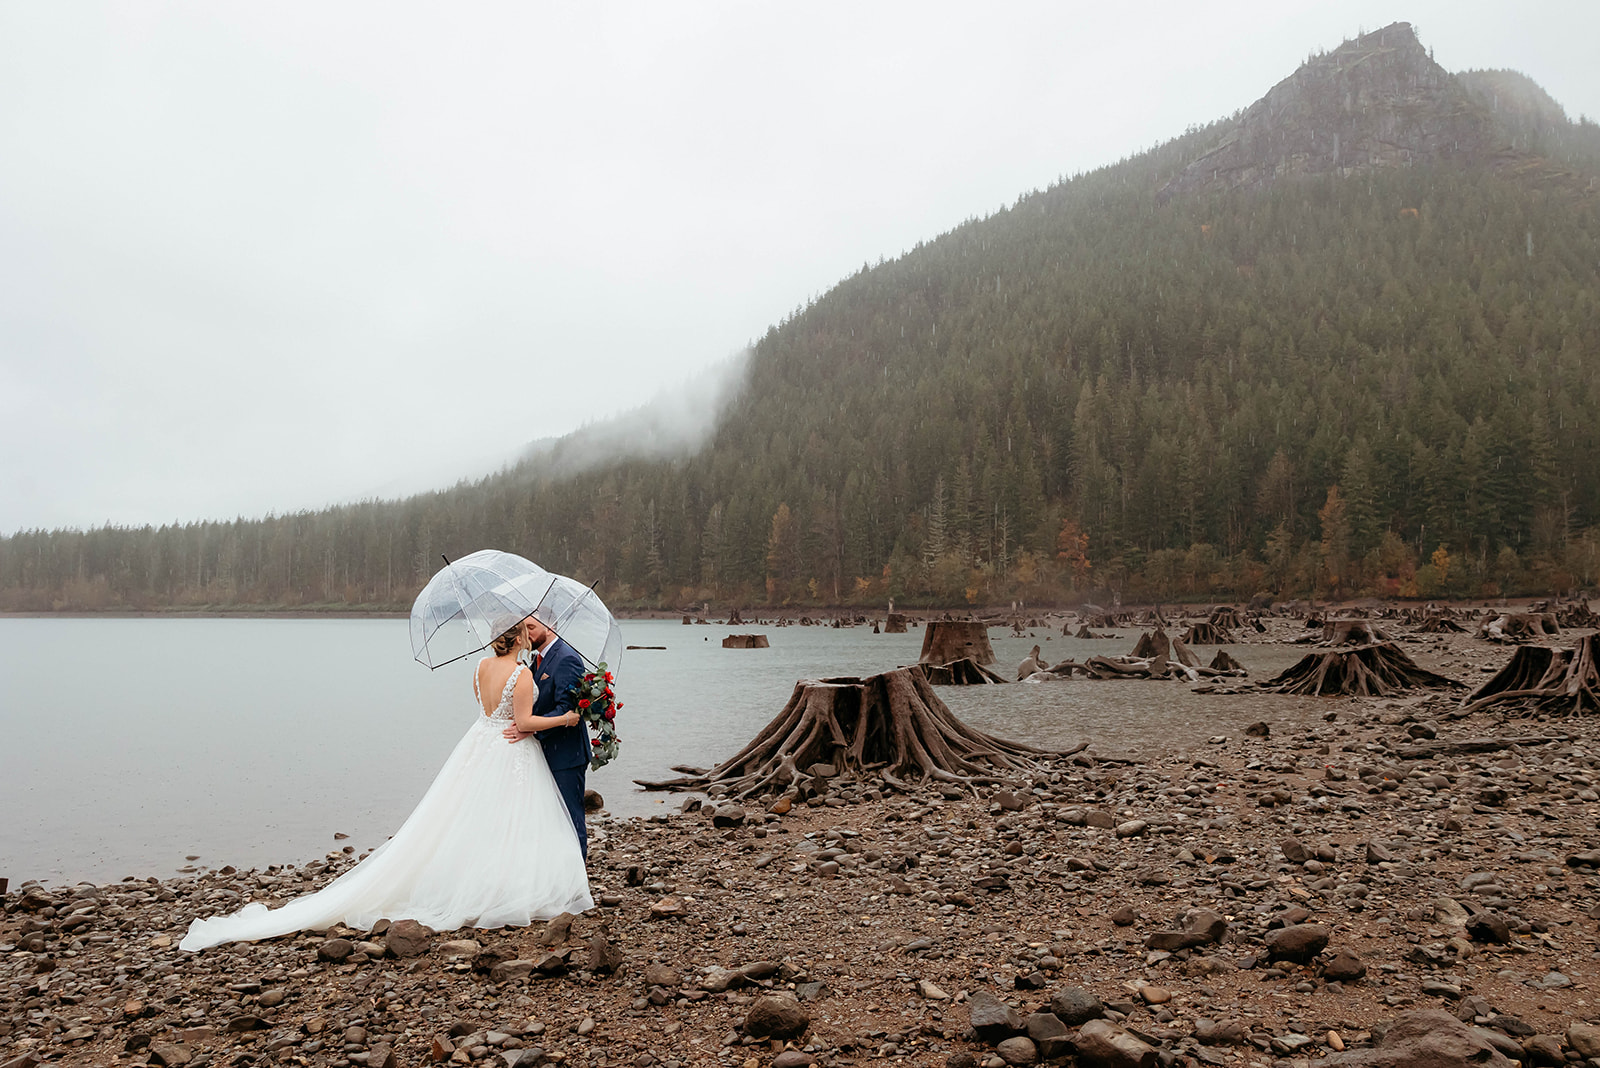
489,845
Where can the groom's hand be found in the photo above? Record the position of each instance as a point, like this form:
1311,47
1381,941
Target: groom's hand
514,734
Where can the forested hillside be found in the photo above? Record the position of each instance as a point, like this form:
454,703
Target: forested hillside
1378,375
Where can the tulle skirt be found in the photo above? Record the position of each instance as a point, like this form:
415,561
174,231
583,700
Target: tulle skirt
489,845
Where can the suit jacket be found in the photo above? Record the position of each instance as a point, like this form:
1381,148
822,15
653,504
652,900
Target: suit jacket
560,670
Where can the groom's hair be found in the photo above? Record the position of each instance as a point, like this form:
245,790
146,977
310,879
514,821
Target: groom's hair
503,644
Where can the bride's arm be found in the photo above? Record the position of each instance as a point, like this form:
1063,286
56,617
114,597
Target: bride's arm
522,709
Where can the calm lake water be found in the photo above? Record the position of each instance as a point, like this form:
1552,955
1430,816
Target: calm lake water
128,745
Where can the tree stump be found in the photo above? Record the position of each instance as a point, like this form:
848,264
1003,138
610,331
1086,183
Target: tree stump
964,672
1223,662
1439,625
890,727
1543,678
1152,644
948,640
1207,634
1351,632
746,641
1226,618
1519,626
894,624
1368,670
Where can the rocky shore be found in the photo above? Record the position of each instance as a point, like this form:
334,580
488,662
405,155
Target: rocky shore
1379,885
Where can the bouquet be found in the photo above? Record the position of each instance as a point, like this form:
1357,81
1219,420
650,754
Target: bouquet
598,706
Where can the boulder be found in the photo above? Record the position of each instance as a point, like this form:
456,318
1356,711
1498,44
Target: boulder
1299,943
1425,1038
776,1016
1102,1044
1075,1006
407,938
992,1019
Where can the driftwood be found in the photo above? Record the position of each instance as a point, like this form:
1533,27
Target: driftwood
1367,670
963,672
1519,626
1207,634
947,640
1546,679
1183,654
746,641
890,728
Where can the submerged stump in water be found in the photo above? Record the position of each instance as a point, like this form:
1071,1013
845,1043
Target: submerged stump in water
965,672
948,640
1367,670
890,727
746,641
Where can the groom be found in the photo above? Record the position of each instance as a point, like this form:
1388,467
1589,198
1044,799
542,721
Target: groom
557,669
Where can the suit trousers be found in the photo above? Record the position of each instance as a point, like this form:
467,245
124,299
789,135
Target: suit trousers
570,781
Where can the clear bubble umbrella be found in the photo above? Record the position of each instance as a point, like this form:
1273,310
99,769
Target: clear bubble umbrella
472,601
578,616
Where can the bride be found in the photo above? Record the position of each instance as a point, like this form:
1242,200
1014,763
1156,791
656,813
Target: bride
489,845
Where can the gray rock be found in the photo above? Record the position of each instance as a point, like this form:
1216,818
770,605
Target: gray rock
407,938
605,958
1487,927
793,1058
1049,1034
1426,1038
728,816
1018,1050
1201,927
508,970
1294,851
1220,1032
776,1016
1585,1038
1298,943
335,949
1344,967
1105,1045
992,1019
1075,1006
662,975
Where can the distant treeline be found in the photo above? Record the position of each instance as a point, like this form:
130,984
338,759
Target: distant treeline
1379,384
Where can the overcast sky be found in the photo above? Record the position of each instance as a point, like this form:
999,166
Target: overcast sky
261,257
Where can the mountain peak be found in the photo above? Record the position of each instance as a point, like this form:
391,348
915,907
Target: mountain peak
1376,101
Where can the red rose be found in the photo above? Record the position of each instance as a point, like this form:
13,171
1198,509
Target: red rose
594,741
610,714
583,703
617,705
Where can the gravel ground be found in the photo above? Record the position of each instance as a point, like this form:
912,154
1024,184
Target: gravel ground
1262,900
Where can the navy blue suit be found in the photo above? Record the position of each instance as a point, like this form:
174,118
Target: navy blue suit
566,749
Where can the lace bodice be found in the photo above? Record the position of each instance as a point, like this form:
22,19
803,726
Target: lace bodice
502,711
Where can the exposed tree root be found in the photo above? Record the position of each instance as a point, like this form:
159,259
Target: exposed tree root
1207,634
963,672
1368,670
1539,677
891,727
1519,627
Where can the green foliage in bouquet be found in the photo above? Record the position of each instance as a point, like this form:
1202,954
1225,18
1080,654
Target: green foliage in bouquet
598,706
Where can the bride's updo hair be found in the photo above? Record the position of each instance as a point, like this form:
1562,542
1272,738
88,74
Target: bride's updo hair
507,641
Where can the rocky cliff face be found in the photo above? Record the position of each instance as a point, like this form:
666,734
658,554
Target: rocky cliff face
1377,101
